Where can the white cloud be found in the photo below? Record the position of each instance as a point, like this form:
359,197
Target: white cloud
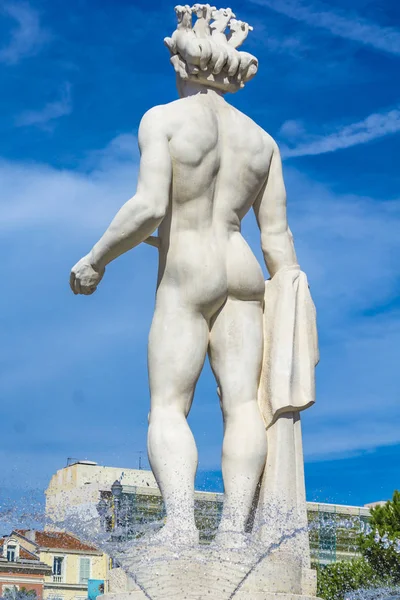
346,243
327,443
37,194
338,23
292,130
349,247
374,127
50,112
58,214
357,406
27,38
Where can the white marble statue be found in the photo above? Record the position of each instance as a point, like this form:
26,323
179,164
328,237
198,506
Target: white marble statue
204,165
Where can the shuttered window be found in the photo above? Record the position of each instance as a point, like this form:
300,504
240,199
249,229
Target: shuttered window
58,565
84,570
11,553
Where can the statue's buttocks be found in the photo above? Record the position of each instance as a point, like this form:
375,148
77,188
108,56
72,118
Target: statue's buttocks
211,267
244,274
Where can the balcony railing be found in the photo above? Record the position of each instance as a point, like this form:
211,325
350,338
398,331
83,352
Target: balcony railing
58,579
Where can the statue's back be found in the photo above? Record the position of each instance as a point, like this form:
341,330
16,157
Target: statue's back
220,159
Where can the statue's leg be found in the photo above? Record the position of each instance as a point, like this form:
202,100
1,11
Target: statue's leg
236,346
177,349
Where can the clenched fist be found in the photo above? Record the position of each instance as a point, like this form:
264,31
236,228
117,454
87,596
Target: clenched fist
84,278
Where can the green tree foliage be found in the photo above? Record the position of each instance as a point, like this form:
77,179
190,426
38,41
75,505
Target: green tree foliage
21,594
338,579
379,564
386,518
381,548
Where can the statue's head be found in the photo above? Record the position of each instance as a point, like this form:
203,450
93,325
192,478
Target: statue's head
206,53
183,13
203,11
199,10
222,17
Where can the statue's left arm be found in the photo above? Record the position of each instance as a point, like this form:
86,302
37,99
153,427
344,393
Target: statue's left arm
270,210
141,215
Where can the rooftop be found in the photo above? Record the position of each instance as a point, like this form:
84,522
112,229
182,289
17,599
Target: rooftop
55,539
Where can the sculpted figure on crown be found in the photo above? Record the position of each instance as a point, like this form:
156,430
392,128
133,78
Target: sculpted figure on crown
204,52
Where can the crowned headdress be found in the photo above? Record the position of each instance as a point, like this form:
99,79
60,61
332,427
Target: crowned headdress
205,53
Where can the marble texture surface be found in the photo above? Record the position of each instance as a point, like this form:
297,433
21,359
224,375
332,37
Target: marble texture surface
204,165
163,574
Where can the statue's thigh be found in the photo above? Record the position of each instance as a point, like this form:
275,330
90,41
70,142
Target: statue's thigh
236,346
177,349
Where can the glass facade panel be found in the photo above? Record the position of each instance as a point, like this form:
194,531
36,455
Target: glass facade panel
333,531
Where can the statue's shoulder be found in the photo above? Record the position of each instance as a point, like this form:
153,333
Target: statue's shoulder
252,129
156,113
155,122
268,142
266,138
161,118
249,123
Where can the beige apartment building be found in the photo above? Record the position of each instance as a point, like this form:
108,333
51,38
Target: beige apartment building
83,483
71,562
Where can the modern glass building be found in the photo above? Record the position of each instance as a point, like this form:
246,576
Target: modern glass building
333,528
131,499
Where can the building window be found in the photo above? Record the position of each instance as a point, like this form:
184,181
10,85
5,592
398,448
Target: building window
58,569
11,553
84,570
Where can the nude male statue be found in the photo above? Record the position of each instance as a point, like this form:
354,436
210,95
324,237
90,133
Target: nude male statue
203,166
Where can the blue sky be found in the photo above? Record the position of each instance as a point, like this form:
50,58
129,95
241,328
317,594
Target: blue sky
75,79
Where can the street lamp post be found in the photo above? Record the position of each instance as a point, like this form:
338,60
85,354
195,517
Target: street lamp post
102,508
116,490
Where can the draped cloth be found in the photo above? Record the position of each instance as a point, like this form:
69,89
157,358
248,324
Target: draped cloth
287,386
287,380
